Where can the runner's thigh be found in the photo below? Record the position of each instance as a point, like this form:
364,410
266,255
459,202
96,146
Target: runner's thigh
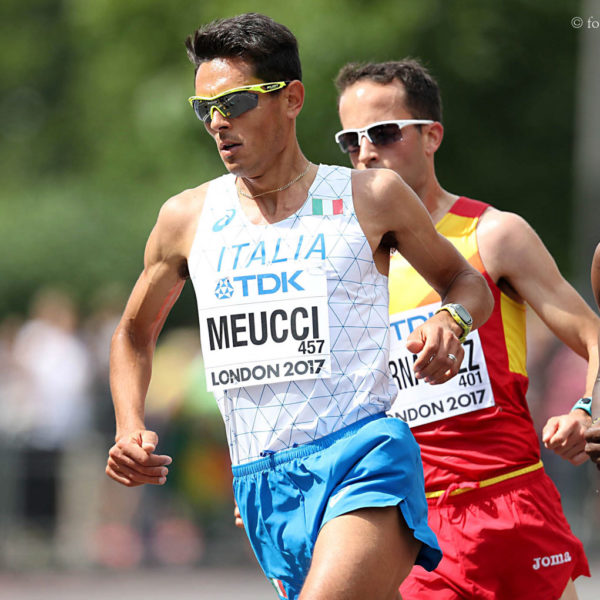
363,554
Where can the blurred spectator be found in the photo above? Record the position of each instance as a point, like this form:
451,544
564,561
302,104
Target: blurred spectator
55,364
53,396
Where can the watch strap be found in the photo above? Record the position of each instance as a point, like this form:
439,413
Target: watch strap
584,404
466,327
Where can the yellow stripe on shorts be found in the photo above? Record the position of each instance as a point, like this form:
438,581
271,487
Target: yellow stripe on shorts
487,482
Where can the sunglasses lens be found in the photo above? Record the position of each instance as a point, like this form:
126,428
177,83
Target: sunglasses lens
202,108
380,135
237,103
348,142
230,106
385,134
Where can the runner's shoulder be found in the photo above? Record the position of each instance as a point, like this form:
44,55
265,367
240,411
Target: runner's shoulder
379,177
180,212
376,185
503,226
178,218
507,244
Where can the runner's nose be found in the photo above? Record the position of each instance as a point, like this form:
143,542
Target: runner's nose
217,120
367,154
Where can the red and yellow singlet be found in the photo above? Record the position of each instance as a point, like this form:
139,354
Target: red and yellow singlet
477,426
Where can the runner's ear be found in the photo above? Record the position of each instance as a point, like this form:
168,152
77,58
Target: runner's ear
294,92
432,137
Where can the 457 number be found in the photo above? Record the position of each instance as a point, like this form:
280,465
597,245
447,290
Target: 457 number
311,347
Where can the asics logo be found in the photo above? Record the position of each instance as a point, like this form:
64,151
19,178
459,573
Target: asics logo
224,221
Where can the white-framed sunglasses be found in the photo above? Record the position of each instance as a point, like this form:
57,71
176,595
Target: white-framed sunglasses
380,133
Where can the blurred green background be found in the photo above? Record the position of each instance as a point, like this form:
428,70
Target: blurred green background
96,133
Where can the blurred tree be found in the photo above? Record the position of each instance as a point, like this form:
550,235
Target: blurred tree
95,130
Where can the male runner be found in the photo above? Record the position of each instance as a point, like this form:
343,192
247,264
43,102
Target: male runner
592,435
289,263
497,515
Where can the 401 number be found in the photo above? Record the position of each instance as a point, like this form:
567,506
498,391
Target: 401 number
472,378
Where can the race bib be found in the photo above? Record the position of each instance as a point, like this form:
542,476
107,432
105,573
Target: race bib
418,402
265,325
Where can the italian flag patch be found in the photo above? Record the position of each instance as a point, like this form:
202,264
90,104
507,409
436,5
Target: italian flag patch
279,587
327,206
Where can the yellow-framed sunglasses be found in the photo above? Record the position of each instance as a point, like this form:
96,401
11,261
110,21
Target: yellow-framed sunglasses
233,103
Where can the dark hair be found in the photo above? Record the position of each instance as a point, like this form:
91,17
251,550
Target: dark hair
423,98
271,48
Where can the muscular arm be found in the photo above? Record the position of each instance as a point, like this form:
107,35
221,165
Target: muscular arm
132,460
592,435
595,275
595,279
518,261
389,210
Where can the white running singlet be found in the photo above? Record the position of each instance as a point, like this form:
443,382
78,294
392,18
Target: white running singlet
293,316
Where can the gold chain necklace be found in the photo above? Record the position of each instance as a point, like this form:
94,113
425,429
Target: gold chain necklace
279,189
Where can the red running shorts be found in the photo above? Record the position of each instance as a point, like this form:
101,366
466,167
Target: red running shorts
508,541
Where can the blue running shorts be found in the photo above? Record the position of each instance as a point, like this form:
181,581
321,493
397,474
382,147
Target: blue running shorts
285,498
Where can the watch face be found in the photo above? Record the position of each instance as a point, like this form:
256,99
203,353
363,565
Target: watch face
463,313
